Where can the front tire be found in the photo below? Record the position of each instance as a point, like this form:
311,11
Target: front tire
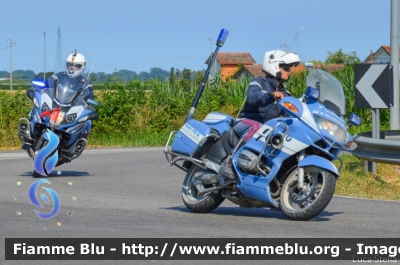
303,205
203,203
36,174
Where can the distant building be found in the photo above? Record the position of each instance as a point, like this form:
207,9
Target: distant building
248,71
329,68
309,66
382,55
227,63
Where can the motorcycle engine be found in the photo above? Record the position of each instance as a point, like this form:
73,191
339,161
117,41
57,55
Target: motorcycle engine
247,162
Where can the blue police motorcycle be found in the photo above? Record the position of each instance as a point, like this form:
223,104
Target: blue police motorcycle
63,110
286,164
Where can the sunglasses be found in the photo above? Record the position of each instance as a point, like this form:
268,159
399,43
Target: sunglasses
286,67
75,65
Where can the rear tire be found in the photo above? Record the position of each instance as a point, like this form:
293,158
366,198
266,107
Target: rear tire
303,205
203,203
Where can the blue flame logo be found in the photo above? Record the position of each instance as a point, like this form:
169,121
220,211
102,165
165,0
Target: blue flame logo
46,159
34,200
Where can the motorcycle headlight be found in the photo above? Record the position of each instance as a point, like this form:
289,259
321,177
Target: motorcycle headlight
45,108
70,118
334,129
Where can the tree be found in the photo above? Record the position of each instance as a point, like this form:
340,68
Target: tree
4,74
185,82
101,76
158,73
40,75
127,75
178,76
172,77
143,76
339,57
23,74
198,77
93,77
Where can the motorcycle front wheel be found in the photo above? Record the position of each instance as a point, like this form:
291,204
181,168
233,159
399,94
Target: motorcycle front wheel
36,174
199,203
304,204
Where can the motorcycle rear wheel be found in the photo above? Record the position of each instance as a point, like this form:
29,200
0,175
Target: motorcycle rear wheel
203,203
303,205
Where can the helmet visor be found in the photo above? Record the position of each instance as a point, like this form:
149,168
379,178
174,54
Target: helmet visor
73,66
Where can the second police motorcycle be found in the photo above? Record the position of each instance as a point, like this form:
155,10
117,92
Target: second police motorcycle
286,165
61,114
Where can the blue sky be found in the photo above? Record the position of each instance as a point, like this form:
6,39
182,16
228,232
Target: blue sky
138,35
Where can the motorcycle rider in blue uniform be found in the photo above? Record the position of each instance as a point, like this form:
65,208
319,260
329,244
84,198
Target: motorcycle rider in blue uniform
75,66
262,95
260,105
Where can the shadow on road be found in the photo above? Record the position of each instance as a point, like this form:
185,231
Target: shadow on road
64,173
256,212
324,216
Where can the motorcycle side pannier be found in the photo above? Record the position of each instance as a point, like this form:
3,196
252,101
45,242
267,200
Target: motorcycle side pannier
191,137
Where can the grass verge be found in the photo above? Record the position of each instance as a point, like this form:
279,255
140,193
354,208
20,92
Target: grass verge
353,181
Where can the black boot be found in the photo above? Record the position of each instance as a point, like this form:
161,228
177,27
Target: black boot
226,170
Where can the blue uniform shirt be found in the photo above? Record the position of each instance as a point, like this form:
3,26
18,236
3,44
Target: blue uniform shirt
259,105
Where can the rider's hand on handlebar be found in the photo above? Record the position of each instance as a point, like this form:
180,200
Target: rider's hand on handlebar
278,95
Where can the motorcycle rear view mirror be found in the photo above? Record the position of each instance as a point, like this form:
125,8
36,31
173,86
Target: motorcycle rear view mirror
312,93
222,37
355,119
30,94
93,116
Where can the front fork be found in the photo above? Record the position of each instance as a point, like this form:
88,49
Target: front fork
300,170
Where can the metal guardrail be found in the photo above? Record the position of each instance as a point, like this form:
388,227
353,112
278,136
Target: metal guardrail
385,150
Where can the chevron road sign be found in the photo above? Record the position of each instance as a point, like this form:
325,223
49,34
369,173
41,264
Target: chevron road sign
373,86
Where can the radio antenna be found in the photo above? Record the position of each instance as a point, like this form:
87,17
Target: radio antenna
92,67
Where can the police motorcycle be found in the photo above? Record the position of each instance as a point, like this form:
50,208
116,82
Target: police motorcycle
63,110
286,165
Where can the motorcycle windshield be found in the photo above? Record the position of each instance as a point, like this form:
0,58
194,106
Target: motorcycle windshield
331,90
67,90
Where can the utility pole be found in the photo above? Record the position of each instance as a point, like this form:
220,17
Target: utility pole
210,44
394,61
11,44
44,71
59,59
297,33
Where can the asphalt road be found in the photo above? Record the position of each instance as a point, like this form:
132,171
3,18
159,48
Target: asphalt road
134,193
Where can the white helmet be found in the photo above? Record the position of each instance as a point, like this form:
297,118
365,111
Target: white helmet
273,59
78,60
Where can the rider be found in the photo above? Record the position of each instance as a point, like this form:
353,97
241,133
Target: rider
261,97
260,105
75,66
